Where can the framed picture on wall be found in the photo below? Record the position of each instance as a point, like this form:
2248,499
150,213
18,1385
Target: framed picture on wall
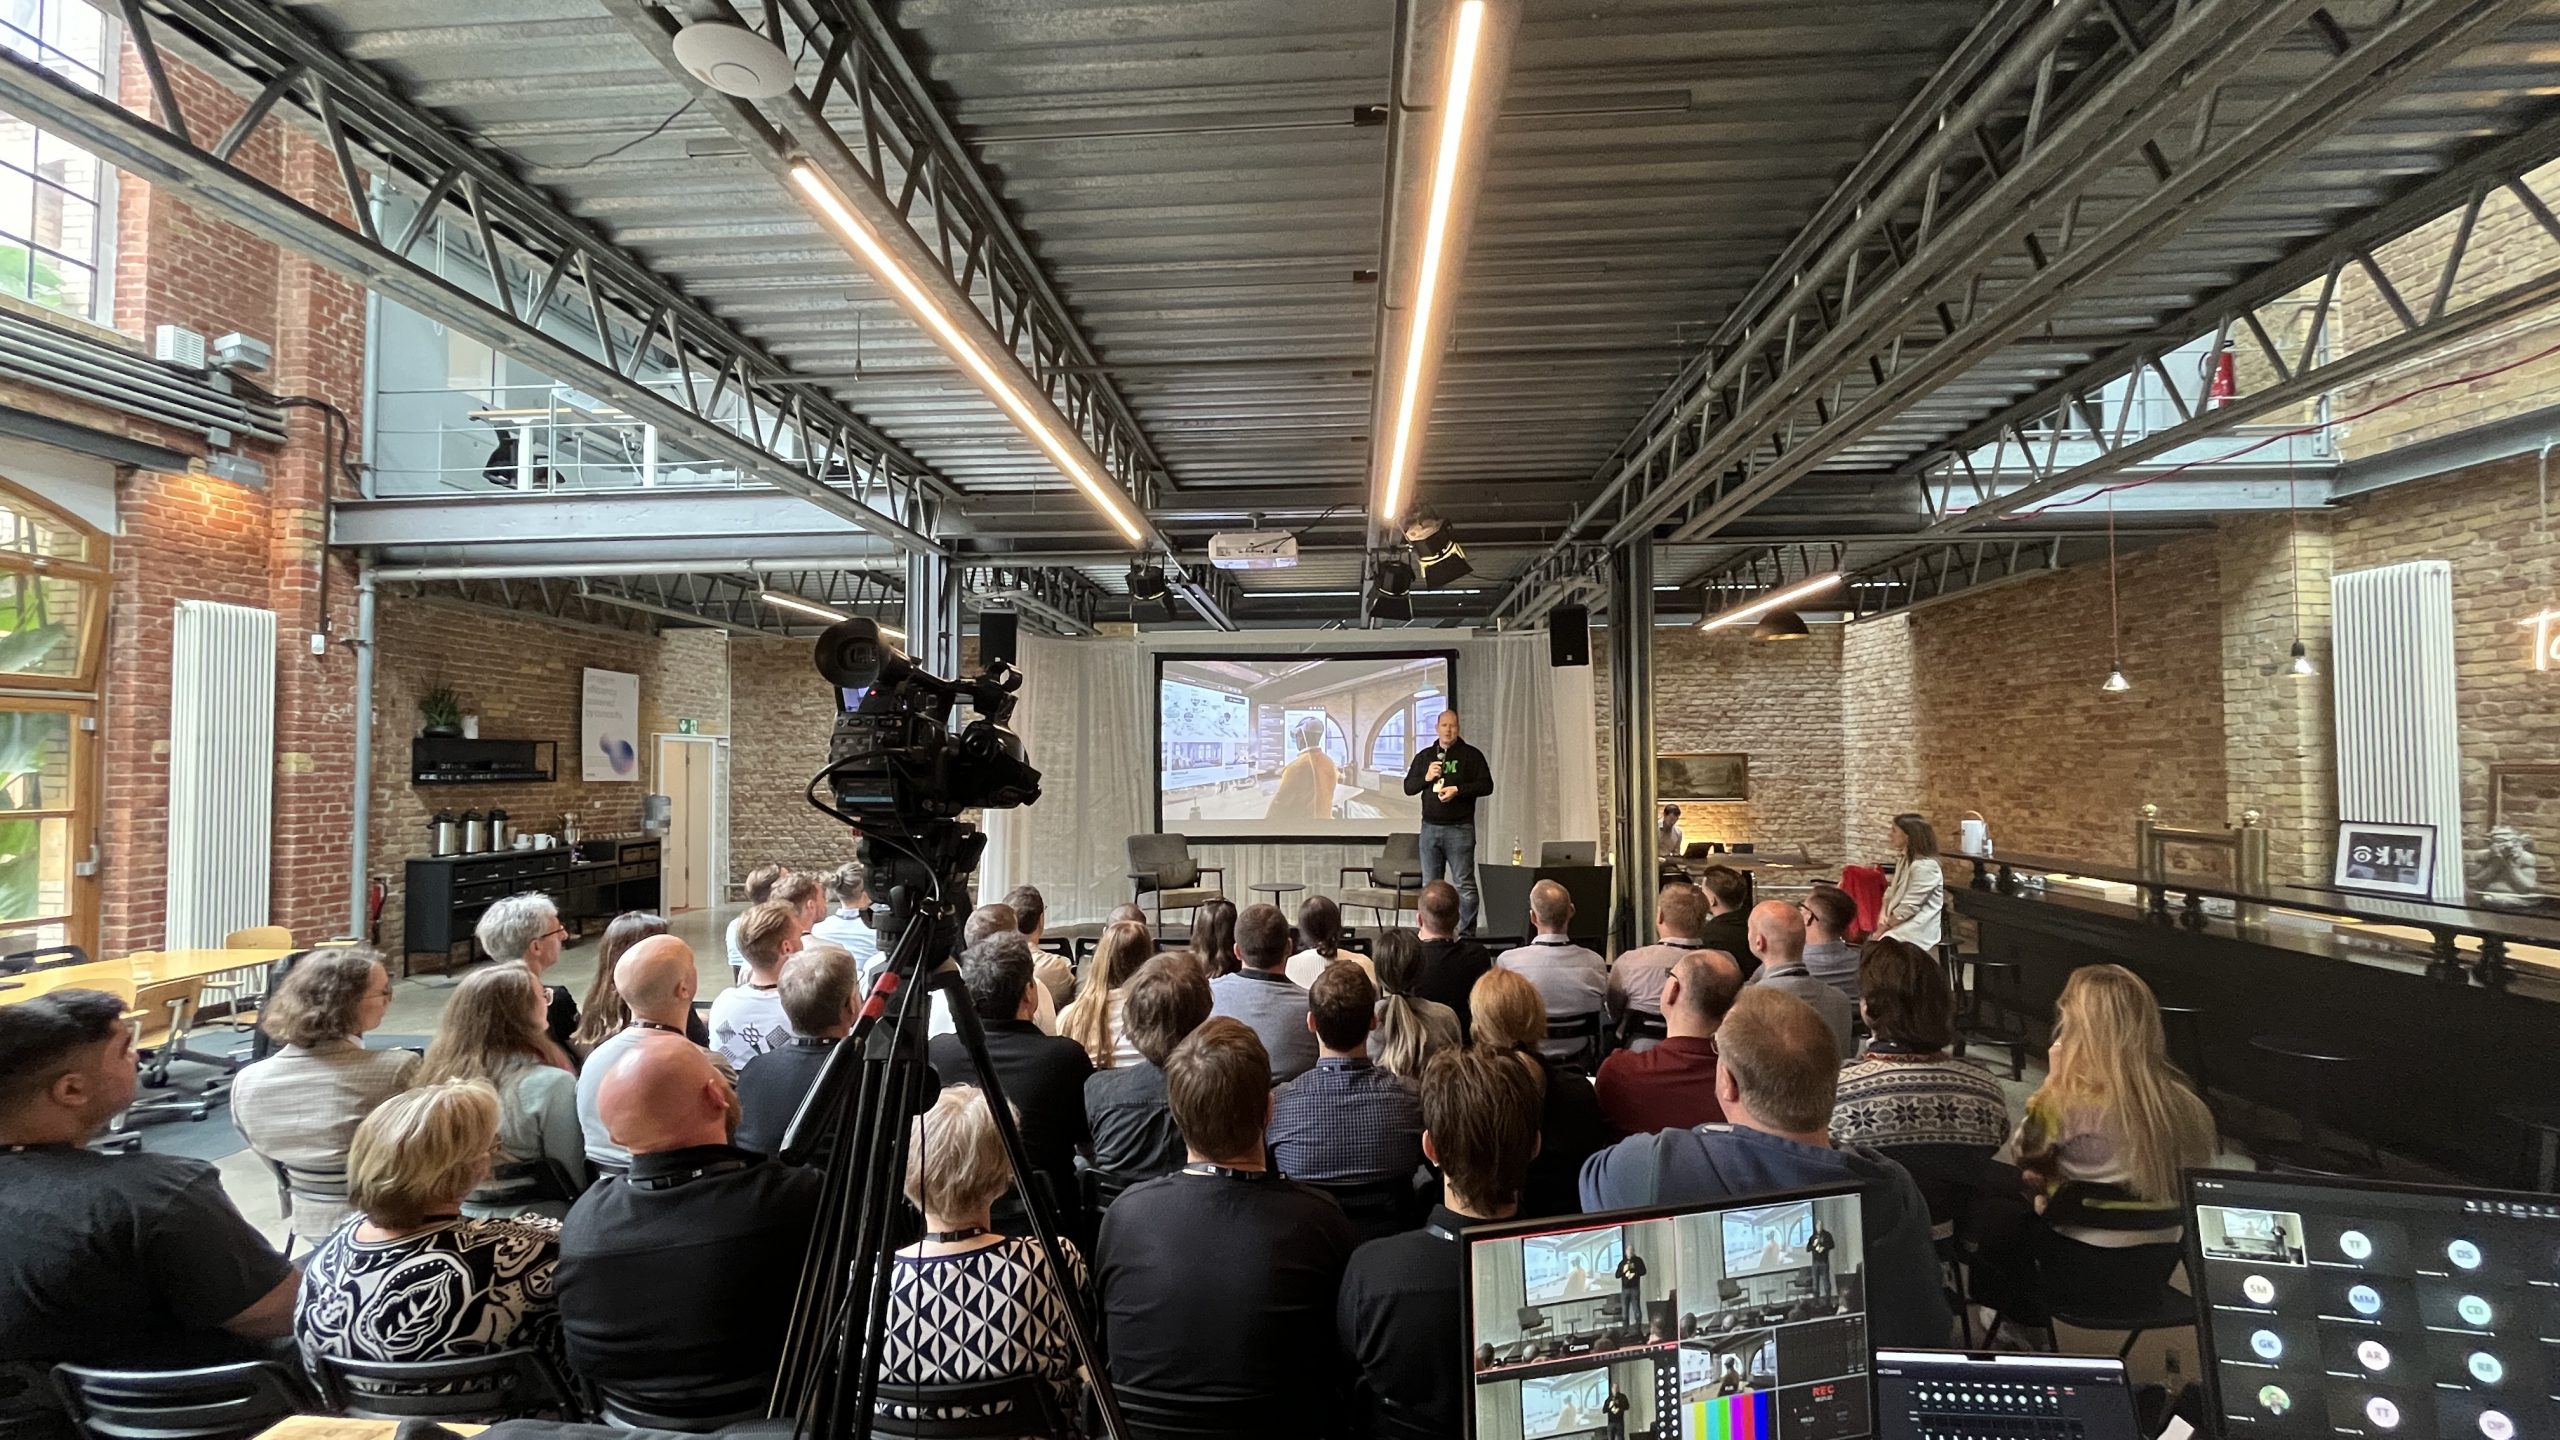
1680,778
2379,858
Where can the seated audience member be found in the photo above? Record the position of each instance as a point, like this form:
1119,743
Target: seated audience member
1451,963
1399,1316
1217,1283
1777,939
413,1280
1907,1093
1260,995
1410,1029
1511,1020
847,925
604,1012
492,1032
760,883
1673,1085
1829,915
1775,1068
1346,1119
526,930
806,895
1126,910
821,997
1094,1020
696,1218
656,979
132,1262
300,1106
1134,1137
1213,937
1572,980
1041,1076
996,918
1637,976
747,1018
1320,925
1031,918
1726,927
966,1304
2104,1137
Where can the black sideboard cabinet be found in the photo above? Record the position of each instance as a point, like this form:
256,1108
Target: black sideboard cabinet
597,881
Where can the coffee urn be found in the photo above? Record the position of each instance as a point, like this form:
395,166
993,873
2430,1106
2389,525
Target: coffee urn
499,835
448,833
475,833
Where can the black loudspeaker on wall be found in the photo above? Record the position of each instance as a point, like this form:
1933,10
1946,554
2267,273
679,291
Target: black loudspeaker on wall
999,637
1569,635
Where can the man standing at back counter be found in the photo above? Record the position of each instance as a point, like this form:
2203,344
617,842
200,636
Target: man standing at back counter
1450,777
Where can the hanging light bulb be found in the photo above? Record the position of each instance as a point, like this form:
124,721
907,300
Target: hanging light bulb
2303,669
2116,683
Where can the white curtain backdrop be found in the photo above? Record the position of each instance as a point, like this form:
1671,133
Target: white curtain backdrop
1086,716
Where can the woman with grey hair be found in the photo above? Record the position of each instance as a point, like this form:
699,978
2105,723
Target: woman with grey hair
526,929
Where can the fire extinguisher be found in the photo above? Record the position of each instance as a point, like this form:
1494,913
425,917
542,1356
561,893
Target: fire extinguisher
375,894
2224,387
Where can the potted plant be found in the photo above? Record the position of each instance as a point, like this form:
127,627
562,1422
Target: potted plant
441,710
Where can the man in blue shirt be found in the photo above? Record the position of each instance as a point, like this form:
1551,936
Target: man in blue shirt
1776,1068
1260,994
1346,1119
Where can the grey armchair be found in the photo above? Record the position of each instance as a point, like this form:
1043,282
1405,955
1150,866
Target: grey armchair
1161,866
1393,885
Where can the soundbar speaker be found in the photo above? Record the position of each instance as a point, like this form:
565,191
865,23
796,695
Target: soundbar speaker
1569,636
999,638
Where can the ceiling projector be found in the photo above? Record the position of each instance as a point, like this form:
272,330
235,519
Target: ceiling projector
1253,550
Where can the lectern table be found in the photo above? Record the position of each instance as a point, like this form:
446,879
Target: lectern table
1502,900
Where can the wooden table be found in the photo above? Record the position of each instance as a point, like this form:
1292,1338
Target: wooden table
339,1427
142,970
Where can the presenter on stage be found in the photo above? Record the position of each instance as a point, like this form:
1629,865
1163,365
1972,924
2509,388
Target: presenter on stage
1450,777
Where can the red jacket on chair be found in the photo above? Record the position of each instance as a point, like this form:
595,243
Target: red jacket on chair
1865,885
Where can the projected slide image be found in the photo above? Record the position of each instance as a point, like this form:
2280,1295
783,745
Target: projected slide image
1575,1404
1581,1265
2267,1237
1293,745
1771,1237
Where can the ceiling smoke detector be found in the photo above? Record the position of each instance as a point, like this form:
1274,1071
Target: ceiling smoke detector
734,60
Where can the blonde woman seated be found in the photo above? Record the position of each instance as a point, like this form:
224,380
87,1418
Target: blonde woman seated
494,1032
1511,1019
1410,1029
300,1106
966,1304
1097,1018
2106,1135
412,1279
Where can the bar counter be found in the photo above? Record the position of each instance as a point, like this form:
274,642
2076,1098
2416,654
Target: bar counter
2455,1009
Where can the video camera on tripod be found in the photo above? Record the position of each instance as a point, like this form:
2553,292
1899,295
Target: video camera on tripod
899,776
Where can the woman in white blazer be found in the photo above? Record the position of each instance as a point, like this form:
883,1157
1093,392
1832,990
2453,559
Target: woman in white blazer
1915,904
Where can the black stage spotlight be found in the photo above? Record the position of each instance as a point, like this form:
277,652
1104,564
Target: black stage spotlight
1394,578
1438,557
1146,581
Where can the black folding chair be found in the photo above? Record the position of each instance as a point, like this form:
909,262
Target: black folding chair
1387,1206
49,957
694,1410
501,1385
1011,1408
1591,1029
217,1402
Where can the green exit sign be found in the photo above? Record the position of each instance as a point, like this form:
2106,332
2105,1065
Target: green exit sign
684,727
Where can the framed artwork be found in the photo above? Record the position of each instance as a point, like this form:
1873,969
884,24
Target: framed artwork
609,710
1681,778
2378,858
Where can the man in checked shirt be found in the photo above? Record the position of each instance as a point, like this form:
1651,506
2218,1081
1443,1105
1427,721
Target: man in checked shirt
1346,1119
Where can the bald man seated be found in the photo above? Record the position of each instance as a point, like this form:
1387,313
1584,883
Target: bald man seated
657,980
1777,939
678,1277
1572,979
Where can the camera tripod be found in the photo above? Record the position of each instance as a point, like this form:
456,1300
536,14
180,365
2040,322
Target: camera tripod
872,1085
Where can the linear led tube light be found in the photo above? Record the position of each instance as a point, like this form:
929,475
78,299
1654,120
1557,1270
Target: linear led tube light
1463,50
815,611
1750,610
1064,451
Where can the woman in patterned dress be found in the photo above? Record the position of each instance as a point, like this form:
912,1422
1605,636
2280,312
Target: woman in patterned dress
409,1278
967,1304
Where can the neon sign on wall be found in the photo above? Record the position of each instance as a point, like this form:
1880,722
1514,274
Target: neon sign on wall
2546,639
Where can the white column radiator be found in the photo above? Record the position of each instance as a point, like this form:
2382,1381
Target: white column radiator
2399,748
222,768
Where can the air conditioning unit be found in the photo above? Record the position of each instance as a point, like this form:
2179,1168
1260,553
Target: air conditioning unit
1254,550
173,345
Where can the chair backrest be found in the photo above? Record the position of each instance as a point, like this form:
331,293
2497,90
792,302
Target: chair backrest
1402,858
1152,1414
1010,1408
1386,1206
259,937
1588,1028
1100,1187
501,1385
1166,859
218,1402
695,1410
46,957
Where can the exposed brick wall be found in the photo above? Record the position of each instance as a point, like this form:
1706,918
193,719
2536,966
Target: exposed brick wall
693,682
2277,731
781,714
1879,734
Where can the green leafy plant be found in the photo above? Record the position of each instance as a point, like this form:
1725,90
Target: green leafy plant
28,633
441,709
22,737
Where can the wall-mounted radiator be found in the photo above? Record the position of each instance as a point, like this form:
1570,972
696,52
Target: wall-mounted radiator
2399,751
222,771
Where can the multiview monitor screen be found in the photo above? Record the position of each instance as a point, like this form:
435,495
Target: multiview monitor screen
2339,1308
1661,1323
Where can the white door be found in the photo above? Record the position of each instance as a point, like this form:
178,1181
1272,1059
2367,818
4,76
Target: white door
688,775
